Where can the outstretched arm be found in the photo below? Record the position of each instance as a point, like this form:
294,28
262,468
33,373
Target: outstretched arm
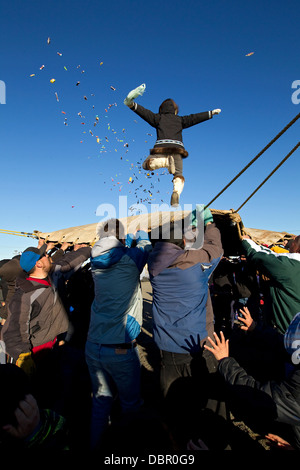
148,116
193,119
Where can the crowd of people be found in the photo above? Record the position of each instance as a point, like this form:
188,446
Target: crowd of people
227,330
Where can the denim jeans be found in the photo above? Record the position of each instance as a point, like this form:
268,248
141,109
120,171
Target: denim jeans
111,369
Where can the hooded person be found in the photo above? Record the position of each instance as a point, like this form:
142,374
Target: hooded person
168,150
184,257
36,314
112,357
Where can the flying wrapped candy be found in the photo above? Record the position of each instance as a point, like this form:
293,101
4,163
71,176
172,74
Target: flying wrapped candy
250,53
48,41
56,96
42,67
113,88
32,75
59,53
101,63
52,80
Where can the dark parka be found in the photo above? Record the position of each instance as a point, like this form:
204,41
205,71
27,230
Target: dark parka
181,302
169,125
284,395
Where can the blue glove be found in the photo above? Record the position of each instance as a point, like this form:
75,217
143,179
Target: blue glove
141,235
129,239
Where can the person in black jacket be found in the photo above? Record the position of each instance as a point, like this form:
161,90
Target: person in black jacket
168,150
10,269
269,406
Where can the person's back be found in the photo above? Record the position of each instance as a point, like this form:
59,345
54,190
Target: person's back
182,320
116,317
181,300
116,312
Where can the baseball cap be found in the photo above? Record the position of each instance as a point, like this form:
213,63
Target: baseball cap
30,256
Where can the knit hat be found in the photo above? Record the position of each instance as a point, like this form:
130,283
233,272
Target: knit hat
30,256
292,338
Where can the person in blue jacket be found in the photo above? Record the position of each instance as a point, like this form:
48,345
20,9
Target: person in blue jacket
183,318
116,318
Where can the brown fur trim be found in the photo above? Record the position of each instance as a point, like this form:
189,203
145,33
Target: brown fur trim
168,151
179,176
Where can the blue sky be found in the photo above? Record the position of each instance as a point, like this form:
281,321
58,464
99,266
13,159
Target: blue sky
54,172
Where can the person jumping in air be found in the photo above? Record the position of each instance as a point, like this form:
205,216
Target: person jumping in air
168,150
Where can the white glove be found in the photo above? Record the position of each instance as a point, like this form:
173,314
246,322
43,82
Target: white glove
215,111
134,94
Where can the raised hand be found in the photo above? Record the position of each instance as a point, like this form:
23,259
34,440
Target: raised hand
219,348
